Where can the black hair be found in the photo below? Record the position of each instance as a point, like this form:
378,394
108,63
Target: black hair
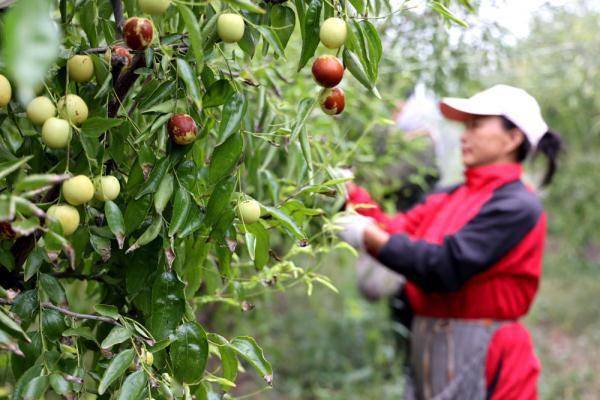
550,145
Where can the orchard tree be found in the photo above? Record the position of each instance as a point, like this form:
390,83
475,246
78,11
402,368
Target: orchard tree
152,165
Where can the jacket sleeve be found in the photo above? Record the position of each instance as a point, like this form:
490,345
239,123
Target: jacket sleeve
400,222
498,227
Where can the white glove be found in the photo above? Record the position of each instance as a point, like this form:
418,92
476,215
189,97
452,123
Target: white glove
352,229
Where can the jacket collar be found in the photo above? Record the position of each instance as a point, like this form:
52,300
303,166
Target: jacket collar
494,174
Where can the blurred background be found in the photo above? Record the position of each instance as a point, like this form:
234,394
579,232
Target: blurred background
339,346
330,343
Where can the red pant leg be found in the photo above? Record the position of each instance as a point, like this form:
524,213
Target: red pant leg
512,368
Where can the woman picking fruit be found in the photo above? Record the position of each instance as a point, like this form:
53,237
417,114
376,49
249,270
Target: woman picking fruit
472,254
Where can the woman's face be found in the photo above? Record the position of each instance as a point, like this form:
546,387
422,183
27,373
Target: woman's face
485,141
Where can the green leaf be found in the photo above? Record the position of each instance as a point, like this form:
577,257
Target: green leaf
23,381
181,209
247,348
164,193
115,221
6,168
231,117
60,385
310,32
189,353
33,263
53,289
149,234
195,36
185,72
156,175
246,5
218,201
359,5
9,325
136,212
36,388
116,369
271,38
107,310
134,386
31,41
218,93
101,246
53,323
81,331
261,245
26,227
304,108
225,157
286,221
353,64
36,181
375,49
283,21
26,305
94,126
168,305
117,335
441,9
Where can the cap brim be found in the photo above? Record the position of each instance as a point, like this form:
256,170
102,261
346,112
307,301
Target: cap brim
458,109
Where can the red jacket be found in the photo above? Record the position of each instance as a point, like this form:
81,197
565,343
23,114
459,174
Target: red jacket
474,251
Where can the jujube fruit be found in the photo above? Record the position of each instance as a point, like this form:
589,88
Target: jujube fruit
122,53
107,188
154,7
56,133
138,33
230,27
182,129
72,108
66,215
333,32
81,68
328,71
40,109
78,190
248,211
332,100
5,91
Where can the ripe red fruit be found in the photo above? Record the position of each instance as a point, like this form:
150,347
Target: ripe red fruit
120,52
182,129
138,33
332,101
328,71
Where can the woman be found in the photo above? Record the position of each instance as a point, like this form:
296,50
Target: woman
472,254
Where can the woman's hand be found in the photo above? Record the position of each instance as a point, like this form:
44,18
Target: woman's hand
374,239
361,232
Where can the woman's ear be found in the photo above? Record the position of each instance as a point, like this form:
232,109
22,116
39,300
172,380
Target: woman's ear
517,137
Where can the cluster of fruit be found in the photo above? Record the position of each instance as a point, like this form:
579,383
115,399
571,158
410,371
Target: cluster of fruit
56,132
328,70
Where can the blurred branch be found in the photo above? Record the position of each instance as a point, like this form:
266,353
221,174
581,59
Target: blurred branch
70,313
117,6
123,83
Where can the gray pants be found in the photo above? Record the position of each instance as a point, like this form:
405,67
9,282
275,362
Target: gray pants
448,358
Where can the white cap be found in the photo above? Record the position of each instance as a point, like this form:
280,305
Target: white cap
515,104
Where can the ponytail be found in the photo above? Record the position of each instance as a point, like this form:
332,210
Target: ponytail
550,145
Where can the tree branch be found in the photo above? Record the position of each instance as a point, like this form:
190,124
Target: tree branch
70,313
117,6
123,83
73,314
